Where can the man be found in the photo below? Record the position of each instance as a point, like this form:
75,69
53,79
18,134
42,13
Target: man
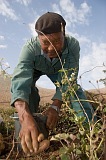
44,55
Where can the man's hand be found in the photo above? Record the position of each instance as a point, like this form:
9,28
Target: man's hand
29,132
52,117
33,143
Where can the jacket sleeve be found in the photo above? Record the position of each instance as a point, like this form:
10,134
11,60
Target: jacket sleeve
23,75
71,65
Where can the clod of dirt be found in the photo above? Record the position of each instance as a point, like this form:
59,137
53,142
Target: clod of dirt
2,146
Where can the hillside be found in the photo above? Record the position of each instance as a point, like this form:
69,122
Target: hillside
4,91
5,96
45,94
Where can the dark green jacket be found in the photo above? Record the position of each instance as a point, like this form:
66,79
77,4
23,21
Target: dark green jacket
31,59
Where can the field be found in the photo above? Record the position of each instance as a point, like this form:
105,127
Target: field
66,131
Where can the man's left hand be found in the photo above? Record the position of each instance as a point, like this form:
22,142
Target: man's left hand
52,117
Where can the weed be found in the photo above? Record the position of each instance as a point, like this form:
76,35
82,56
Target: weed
88,140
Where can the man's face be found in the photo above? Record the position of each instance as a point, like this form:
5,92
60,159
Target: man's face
52,43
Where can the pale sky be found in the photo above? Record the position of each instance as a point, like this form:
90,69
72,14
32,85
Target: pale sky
85,20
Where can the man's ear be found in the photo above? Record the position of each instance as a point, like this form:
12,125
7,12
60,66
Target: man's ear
63,29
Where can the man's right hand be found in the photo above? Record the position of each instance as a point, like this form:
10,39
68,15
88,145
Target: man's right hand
29,134
29,131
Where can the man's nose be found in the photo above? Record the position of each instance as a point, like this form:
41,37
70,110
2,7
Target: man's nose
51,47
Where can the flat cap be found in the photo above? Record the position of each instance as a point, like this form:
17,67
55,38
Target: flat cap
50,22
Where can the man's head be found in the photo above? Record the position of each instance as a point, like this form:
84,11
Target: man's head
51,31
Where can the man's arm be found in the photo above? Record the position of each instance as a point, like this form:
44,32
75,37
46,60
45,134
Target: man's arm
23,75
57,103
22,109
20,90
52,114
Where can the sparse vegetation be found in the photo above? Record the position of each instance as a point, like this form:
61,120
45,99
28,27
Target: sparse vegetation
72,139
104,79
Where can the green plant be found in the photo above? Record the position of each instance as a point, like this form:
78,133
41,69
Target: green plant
5,112
88,141
3,68
103,80
8,122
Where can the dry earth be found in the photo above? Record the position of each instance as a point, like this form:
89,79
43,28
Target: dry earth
46,95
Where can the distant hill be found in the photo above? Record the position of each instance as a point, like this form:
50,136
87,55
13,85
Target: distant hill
45,94
5,96
4,91
98,91
97,94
